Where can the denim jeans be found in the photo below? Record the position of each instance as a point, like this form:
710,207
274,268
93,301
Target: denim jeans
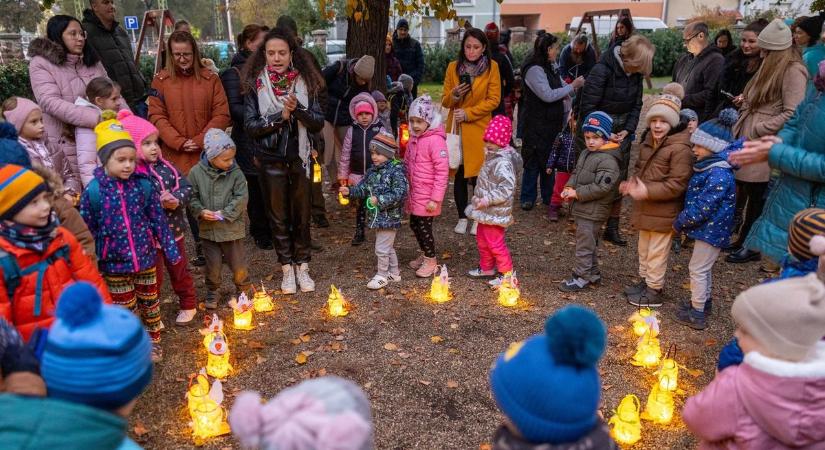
530,181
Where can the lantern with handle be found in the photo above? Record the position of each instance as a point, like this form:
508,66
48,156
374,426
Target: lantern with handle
337,305
625,425
648,351
659,407
668,373
509,291
645,320
213,328
242,312
217,361
316,171
198,391
262,300
208,417
440,287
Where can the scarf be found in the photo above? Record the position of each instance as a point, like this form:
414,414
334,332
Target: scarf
31,238
474,69
270,102
819,78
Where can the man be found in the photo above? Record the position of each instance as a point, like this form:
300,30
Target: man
182,25
409,53
577,58
110,41
698,70
505,69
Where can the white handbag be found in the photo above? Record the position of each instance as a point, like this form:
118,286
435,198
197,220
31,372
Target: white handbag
454,146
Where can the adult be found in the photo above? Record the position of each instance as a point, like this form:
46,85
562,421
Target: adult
698,70
113,46
471,106
183,25
724,42
505,67
740,66
61,66
769,100
248,41
409,53
281,110
577,58
547,104
806,37
394,69
622,31
614,86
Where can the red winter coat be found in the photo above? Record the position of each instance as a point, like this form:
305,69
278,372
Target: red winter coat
428,168
58,275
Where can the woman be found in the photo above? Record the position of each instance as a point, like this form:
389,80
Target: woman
393,64
740,66
471,105
622,32
281,111
806,37
769,100
547,103
724,41
61,67
248,41
614,86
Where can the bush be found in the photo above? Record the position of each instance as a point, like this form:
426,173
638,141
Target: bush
214,54
147,68
14,80
319,55
436,59
519,52
669,47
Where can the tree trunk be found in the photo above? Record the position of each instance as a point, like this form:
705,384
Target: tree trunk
367,37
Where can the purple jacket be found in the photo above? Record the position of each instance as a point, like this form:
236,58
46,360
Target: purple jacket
763,404
428,169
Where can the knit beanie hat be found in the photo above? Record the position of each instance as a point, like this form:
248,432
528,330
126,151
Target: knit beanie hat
423,108
11,152
378,96
365,67
776,36
406,81
548,386
363,107
598,122
111,136
787,317
499,131
18,187
402,23
216,142
98,355
805,225
384,144
812,26
689,114
137,127
668,104
20,113
321,413
716,134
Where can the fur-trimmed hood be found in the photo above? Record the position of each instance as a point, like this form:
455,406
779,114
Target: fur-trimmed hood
51,51
52,178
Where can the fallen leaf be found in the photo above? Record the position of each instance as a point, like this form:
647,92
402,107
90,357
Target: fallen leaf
607,387
269,277
301,358
446,255
436,339
695,373
260,359
710,342
139,429
256,345
425,383
485,446
295,341
452,384
336,346
391,347
619,327
322,372
339,338
404,355
304,337
454,326
453,351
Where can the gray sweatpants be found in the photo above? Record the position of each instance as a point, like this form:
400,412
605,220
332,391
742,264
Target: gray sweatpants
701,269
233,254
587,243
385,252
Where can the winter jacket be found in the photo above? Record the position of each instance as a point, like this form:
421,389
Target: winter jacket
63,263
478,104
186,107
410,55
542,111
610,89
597,439
596,181
219,190
734,78
393,65
86,142
233,87
177,185
812,56
428,171
755,122
698,75
801,160
115,50
41,153
710,202
355,153
388,183
28,423
665,171
496,183
341,88
508,80
764,403
127,222
570,69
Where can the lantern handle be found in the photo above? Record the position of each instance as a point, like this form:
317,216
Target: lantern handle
193,376
637,402
671,351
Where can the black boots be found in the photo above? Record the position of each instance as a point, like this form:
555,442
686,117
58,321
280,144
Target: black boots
198,260
611,233
359,238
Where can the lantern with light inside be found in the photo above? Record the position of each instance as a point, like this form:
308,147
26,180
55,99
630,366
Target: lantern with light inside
262,300
316,171
337,305
648,352
208,417
659,407
625,425
242,312
643,321
198,391
344,201
213,328
217,361
668,373
403,138
509,291
440,287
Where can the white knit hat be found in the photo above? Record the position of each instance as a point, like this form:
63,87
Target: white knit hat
668,105
776,36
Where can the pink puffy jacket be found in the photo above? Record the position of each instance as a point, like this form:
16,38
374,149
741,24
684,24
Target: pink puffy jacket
428,169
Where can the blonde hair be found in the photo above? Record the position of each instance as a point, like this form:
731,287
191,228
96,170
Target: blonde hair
766,85
637,53
183,37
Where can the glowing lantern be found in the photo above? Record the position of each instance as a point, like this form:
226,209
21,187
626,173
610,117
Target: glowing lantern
242,308
668,375
217,362
659,407
214,327
440,288
316,171
648,352
626,426
643,321
344,201
262,300
337,305
198,391
508,291
403,138
208,417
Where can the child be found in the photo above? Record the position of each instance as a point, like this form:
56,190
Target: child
383,111
658,187
492,203
27,119
428,170
400,98
38,257
123,211
175,193
355,153
219,198
708,213
593,186
691,117
548,386
383,189
773,399
101,94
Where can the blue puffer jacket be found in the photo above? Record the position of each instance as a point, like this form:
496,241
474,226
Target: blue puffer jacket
388,183
710,201
801,160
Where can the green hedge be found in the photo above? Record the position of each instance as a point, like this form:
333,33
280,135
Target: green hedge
669,48
436,59
14,80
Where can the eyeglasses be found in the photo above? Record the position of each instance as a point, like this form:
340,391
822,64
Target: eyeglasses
687,41
182,55
77,35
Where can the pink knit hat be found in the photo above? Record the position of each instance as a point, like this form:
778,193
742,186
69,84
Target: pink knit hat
363,107
18,115
137,127
499,131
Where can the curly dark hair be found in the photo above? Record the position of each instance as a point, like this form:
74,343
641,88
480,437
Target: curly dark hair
54,32
301,61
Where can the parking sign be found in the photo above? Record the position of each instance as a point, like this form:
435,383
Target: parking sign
131,22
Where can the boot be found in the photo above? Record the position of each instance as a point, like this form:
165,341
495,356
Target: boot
288,283
553,213
359,238
427,269
198,260
612,234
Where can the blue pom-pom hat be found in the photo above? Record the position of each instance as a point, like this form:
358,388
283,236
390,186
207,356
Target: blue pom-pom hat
716,134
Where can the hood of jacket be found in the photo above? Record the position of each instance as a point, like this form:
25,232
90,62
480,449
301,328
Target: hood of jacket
50,51
434,130
363,97
507,152
53,179
612,149
212,171
80,101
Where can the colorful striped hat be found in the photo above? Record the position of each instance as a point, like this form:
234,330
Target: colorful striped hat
805,225
18,187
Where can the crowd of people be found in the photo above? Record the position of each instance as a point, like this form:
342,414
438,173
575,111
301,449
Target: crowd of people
104,174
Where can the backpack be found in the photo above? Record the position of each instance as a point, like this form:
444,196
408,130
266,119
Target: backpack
12,273
94,193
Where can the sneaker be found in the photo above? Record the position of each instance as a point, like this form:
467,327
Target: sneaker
185,317
693,318
461,226
320,221
650,298
496,282
211,300
635,289
157,353
574,284
478,272
306,283
288,282
527,206
378,282
474,228
394,278
417,262
427,269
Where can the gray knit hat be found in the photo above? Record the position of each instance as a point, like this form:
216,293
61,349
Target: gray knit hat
776,36
365,67
384,144
716,134
216,142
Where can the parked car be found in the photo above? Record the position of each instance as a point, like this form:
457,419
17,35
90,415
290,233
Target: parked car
336,50
606,24
224,49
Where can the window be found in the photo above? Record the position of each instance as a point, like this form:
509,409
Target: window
430,30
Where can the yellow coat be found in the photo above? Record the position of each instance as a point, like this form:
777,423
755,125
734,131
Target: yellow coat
478,104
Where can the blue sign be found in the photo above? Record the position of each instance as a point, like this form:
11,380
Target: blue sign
131,22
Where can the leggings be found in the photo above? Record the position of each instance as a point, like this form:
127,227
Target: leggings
422,227
138,292
750,197
461,187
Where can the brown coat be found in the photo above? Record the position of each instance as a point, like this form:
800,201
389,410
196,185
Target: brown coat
186,108
666,172
755,122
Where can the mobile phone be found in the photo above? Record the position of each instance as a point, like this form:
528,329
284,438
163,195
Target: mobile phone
465,79
727,94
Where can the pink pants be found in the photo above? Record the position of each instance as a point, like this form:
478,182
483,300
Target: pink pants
558,185
492,250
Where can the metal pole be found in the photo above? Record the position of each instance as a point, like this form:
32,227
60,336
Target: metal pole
229,23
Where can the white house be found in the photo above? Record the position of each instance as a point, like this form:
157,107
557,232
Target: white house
789,8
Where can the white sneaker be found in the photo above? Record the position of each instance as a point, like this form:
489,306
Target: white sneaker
306,283
474,228
377,282
288,283
461,226
394,278
185,316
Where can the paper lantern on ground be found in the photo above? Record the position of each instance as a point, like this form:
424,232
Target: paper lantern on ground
643,321
198,391
262,300
213,328
509,291
668,375
337,305
217,361
242,312
648,352
625,425
208,417
659,407
440,287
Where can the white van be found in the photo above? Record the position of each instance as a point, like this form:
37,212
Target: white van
606,24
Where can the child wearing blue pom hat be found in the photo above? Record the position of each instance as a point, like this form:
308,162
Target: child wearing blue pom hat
549,388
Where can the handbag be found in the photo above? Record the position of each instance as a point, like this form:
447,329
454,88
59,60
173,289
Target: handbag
563,152
454,146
